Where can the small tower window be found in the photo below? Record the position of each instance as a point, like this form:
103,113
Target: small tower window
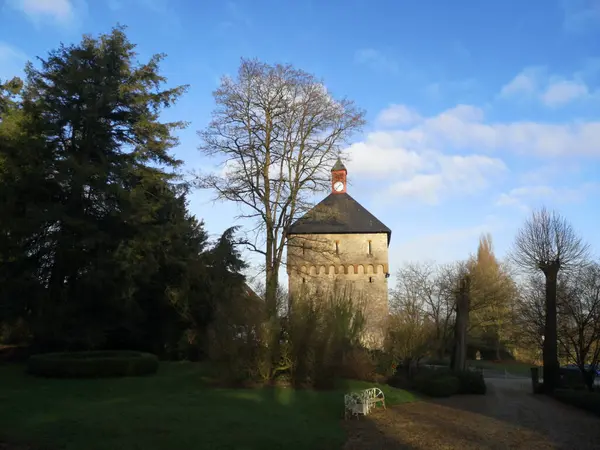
370,248
371,279
303,248
337,247
303,280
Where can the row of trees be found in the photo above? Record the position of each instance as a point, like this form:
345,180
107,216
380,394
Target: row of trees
425,300
97,248
552,306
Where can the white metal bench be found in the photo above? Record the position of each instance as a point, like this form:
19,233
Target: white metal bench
374,396
357,403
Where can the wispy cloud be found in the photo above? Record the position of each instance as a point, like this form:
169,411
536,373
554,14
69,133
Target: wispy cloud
376,60
450,87
524,196
430,159
60,12
398,115
525,83
581,16
12,61
447,245
550,89
237,14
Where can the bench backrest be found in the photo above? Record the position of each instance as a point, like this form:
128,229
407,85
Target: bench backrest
373,393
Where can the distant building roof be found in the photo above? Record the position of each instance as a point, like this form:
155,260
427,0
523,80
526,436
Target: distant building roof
338,214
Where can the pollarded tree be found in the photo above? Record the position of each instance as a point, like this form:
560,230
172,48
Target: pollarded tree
548,243
277,132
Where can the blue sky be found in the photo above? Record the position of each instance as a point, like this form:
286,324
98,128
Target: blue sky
477,110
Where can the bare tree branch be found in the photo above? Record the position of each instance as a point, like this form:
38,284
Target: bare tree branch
277,132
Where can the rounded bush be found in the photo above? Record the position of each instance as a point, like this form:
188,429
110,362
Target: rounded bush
92,364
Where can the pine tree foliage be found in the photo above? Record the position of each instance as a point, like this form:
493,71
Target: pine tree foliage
97,248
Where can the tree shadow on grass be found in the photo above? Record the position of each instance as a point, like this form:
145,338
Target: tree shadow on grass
172,410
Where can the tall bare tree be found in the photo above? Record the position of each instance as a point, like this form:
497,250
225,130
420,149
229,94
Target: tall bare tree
277,133
528,315
547,242
431,288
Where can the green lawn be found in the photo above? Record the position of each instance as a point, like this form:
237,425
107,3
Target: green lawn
175,409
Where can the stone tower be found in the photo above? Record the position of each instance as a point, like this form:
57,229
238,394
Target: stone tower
340,246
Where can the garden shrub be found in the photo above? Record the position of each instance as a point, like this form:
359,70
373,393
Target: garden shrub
384,362
358,364
586,400
471,382
572,379
92,364
444,382
324,332
400,380
442,385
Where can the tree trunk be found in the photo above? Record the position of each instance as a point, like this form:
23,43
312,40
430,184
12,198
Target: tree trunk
550,348
272,275
271,282
459,360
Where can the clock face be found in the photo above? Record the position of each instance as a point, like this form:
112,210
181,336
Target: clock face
338,186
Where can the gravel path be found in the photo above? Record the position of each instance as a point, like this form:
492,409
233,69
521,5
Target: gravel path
508,417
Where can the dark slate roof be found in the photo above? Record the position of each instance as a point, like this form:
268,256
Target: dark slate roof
338,214
338,166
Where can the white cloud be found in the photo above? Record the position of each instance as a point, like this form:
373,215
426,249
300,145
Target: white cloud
551,90
464,128
563,92
449,153
556,170
376,60
59,11
524,83
526,196
451,175
398,115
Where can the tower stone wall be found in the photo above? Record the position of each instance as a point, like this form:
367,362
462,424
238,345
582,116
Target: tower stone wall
356,263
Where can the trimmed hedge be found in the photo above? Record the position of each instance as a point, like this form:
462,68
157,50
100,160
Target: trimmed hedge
442,386
92,364
589,401
471,383
444,383
437,384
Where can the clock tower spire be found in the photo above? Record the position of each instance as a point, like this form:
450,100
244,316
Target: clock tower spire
338,177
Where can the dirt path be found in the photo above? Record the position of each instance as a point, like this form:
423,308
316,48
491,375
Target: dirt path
507,417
